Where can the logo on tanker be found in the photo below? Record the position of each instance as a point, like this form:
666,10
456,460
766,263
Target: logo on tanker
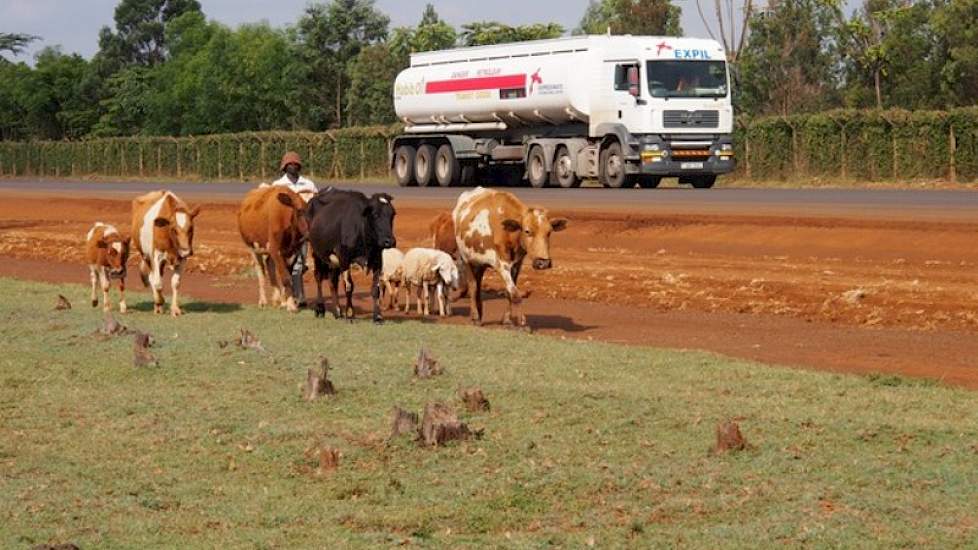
681,53
534,80
409,88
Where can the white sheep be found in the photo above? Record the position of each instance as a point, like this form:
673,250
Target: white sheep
390,278
425,266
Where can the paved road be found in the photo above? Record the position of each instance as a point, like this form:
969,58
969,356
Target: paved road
924,204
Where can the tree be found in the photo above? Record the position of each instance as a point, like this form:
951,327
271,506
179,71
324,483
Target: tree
637,17
329,37
726,25
141,29
482,33
956,22
14,43
790,60
372,75
431,34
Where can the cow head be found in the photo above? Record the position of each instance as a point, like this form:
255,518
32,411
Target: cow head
300,222
535,227
180,227
380,212
114,250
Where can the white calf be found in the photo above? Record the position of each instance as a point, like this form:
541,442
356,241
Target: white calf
425,266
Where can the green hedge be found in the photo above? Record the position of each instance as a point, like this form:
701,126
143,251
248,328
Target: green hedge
863,145
859,145
343,154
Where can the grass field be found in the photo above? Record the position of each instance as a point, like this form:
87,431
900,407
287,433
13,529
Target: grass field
585,443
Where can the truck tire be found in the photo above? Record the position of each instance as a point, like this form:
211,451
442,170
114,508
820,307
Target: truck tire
649,182
611,169
470,172
536,168
404,165
704,182
447,170
564,173
424,165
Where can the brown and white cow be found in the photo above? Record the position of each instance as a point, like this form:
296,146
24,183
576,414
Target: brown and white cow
163,232
494,229
107,251
272,222
442,234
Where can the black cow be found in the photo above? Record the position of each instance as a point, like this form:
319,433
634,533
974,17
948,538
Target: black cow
346,227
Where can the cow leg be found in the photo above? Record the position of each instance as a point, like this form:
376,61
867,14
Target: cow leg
105,283
319,271
93,276
440,295
122,294
175,288
334,287
348,286
284,287
156,283
375,296
144,271
274,281
513,312
260,273
474,279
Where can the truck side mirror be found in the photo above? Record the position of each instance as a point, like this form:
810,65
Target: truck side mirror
633,81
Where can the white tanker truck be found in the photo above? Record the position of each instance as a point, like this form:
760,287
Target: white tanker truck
628,110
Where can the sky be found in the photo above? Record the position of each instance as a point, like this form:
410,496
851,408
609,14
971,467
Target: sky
74,24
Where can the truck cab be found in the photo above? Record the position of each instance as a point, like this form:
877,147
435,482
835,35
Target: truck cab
626,110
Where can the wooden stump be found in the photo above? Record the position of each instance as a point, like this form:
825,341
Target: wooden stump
403,422
440,425
141,356
474,399
111,327
329,460
426,366
729,438
318,384
249,340
62,304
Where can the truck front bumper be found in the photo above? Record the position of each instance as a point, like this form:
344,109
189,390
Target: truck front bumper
664,158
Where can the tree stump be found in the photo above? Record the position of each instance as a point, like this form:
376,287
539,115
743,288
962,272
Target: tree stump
111,327
403,422
440,425
474,399
318,384
329,460
426,366
62,304
141,356
248,340
729,438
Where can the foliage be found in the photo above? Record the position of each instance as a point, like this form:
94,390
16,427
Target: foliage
587,443
14,43
635,17
483,33
140,33
370,101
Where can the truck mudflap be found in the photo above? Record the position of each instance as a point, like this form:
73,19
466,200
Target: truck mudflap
682,157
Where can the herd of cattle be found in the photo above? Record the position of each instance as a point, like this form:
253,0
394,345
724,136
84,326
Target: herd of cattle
486,229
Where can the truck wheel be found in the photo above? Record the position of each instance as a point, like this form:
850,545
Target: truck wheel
470,171
611,169
564,170
704,182
424,165
447,170
404,165
536,168
649,182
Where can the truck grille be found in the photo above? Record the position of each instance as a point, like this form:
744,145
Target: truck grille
690,119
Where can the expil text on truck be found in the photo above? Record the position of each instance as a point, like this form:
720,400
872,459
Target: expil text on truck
628,110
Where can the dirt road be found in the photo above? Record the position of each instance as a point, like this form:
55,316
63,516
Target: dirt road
883,282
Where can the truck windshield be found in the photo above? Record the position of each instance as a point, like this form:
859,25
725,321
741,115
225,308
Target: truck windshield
687,78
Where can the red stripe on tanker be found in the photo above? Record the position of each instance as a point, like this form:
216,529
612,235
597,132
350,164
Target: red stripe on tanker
474,84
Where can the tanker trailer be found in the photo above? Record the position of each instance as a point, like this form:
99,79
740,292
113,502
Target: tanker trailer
628,110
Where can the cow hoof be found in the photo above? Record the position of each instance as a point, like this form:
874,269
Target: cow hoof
176,312
157,309
477,322
378,320
123,309
94,303
320,311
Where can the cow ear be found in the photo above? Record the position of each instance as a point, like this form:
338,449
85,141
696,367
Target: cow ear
161,222
286,200
511,225
101,243
559,224
194,212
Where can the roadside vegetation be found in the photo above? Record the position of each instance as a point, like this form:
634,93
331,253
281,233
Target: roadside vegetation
584,443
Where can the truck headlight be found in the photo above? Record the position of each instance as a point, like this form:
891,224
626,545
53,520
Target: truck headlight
726,147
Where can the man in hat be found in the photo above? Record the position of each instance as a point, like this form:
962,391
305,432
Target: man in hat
291,167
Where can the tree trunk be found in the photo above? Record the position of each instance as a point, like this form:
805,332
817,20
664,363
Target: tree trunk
318,384
403,422
474,399
440,425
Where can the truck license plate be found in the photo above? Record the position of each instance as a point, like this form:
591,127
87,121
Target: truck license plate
691,165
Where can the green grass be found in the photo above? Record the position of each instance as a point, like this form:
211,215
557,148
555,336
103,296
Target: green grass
585,442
